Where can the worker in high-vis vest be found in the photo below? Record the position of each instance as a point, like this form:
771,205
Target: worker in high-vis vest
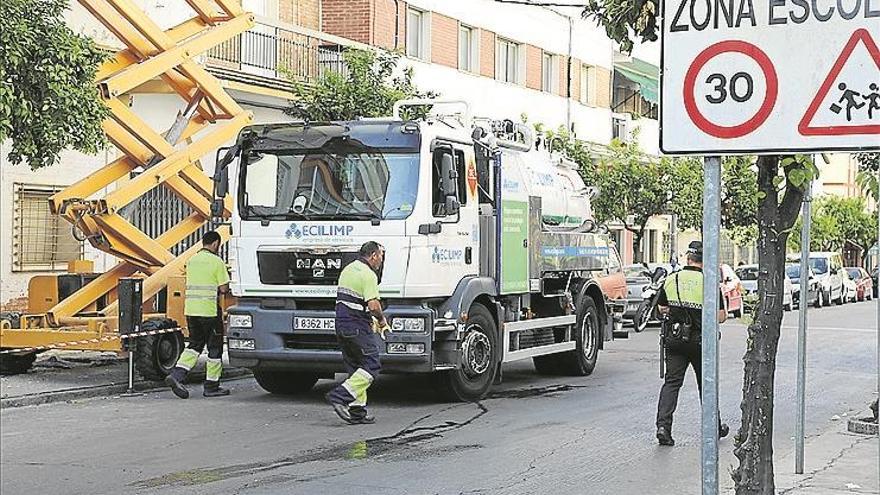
206,279
681,302
359,318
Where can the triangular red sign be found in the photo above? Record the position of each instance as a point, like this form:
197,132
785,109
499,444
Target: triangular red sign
839,130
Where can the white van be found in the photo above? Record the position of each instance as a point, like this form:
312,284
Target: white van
827,267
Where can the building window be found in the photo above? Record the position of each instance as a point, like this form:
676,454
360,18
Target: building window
549,73
508,66
588,85
41,241
468,49
417,34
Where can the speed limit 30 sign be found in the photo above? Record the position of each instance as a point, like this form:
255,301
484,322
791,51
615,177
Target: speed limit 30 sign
770,76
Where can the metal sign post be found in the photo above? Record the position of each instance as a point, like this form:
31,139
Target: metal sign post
802,332
711,284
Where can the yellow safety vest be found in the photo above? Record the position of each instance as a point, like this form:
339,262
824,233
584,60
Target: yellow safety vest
684,289
205,272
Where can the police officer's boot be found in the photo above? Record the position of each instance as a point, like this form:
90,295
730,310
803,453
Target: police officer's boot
213,389
664,436
175,381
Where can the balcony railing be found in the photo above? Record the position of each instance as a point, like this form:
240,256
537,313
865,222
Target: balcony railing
276,56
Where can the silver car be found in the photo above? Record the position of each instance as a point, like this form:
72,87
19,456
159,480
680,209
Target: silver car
748,276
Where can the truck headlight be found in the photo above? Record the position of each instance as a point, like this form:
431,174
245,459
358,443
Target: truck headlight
408,325
240,321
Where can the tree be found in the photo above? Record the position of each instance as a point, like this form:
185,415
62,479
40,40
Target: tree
869,167
48,97
781,183
368,87
836,222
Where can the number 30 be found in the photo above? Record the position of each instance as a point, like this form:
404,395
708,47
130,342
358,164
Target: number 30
721,90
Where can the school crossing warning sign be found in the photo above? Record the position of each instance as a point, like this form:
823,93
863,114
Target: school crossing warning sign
770,76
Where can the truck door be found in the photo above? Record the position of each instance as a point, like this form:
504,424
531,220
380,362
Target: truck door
450,254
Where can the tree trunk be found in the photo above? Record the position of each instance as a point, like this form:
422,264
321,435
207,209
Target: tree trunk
754,441
638,255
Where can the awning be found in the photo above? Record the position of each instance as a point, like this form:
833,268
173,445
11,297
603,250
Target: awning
644,74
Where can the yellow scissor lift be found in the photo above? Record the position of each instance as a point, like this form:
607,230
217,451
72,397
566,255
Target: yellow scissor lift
87,318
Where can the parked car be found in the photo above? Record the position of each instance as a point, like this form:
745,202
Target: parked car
826,267
636,281
731,289
874,278
864,283
748,276
850,288
793,272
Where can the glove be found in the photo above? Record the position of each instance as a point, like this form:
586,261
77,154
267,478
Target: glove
381,329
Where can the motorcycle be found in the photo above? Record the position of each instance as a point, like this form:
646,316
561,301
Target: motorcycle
648,308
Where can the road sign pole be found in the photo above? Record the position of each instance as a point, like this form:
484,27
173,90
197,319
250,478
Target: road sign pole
802,333
878,303
711,284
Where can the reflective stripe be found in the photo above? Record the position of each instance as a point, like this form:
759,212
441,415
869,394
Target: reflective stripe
201,287
213,368
349,292
357,385
188,359
355,306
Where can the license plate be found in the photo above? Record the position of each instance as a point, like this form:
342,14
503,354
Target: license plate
300,323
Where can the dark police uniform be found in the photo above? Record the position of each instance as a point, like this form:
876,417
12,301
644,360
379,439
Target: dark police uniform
683,293
358,285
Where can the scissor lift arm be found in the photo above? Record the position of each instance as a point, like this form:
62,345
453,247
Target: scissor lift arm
171,158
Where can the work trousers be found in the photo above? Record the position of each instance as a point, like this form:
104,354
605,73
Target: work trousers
360,354
203,331
678,357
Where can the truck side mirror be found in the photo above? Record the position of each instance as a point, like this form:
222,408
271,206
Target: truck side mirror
448,175
221,169
452,205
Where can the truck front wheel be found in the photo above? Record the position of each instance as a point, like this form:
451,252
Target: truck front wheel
478,361
582,360
285,382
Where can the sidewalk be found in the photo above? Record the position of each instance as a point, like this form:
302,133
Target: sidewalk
71,375
836,462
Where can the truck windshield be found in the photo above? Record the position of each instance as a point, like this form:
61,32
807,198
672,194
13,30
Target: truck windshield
326,184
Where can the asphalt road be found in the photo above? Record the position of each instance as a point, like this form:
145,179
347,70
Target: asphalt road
533,435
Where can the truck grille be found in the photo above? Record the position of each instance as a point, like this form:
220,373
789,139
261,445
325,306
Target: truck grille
321,342
301,268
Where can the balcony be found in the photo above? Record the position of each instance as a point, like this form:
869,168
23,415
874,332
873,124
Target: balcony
635,88
276,55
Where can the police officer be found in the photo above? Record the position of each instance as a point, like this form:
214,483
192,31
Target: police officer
206,278
681,300
358,317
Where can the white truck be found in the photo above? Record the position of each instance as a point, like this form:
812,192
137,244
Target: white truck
491,253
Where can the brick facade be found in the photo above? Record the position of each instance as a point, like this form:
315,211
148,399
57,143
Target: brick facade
533,66
603,87
487,53
347,18
444,40
575,78
383,25
563,76
305,13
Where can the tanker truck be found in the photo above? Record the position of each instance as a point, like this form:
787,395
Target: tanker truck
492,255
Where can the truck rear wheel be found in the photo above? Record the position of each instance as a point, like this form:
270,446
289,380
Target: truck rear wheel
478,361
582,360
285,382
156,355
14,363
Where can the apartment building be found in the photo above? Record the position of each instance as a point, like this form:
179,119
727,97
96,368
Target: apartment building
509,61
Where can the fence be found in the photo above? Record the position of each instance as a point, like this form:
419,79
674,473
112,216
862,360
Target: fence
279,53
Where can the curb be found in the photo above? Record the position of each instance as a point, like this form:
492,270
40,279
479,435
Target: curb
108,390
862,426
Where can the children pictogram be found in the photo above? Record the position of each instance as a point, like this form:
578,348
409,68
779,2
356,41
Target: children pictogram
849,97
873,100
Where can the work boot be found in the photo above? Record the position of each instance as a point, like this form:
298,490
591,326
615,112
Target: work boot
174,380
664,436
213,389
360,416
723,430
341,410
